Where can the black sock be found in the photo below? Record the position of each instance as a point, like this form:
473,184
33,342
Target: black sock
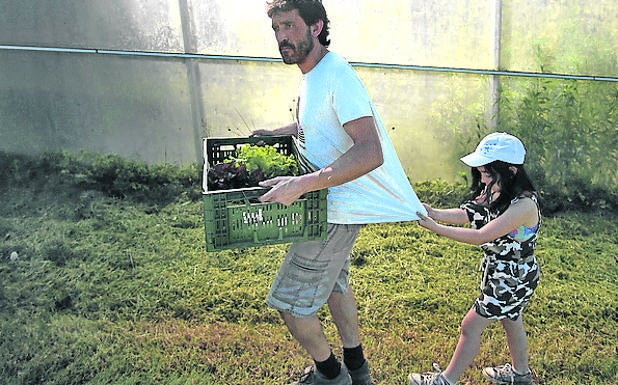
353,357
329,368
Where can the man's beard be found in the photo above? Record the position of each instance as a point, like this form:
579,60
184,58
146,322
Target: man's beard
300,52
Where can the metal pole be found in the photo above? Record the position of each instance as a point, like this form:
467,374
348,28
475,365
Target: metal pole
193,76
494,80
257,59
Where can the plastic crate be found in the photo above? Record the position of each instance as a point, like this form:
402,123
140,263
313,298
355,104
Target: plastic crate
236,218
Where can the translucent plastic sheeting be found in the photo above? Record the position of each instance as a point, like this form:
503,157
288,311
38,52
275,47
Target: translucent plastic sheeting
135,107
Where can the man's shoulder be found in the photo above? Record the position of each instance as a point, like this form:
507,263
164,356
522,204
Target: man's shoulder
338,70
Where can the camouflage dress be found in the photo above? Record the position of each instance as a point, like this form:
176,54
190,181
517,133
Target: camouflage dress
510,269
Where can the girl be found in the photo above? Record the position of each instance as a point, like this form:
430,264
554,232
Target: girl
504,215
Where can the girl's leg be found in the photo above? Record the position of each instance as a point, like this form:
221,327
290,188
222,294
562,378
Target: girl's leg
518,344
468,346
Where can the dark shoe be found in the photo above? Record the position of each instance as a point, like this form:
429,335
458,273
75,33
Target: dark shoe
313,377
361,375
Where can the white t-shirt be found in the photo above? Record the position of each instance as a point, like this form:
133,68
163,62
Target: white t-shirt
330,95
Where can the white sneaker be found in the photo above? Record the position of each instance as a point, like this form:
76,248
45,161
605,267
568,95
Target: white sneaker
504,374
429,378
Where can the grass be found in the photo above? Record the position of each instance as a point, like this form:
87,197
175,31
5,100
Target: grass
111,284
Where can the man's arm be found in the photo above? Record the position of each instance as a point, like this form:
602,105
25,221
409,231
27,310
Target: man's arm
364,156
290,129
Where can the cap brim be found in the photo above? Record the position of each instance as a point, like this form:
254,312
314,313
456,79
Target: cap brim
476,160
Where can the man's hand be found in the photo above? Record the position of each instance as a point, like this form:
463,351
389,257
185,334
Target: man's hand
261,132
285,190
289,129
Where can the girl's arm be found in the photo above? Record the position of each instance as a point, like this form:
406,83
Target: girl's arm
455,216
523,212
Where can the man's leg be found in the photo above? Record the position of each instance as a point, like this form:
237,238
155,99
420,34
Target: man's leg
309,274
345,314
309,334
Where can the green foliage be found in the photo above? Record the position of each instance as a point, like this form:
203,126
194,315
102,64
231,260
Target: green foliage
266,159
440,194
570,129
106,290
250,165
109,174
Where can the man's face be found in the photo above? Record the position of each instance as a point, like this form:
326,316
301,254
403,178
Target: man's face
293,36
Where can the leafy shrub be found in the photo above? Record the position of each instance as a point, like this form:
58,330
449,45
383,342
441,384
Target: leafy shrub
570,131
569,128
440,193
110,174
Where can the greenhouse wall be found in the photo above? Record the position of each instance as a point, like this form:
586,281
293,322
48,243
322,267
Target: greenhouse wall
147,79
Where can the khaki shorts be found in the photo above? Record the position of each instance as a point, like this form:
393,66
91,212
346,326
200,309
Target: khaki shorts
312,270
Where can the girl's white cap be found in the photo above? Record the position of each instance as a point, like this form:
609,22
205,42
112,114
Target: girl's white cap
497,146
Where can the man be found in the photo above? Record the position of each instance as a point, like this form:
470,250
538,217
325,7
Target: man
338,131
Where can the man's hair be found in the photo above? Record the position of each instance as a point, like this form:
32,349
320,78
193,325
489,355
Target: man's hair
309,10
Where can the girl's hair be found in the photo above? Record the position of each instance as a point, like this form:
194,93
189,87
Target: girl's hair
309,10
512,183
